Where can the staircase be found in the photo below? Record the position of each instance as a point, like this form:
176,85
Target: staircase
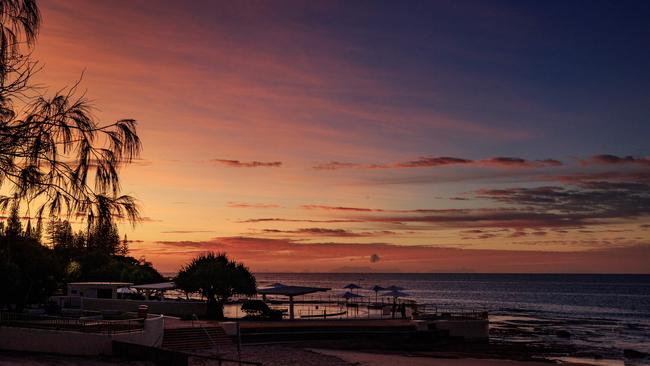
197,338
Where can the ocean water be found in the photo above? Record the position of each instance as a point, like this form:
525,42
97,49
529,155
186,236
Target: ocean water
603,314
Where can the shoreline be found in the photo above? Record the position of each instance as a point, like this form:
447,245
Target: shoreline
313,355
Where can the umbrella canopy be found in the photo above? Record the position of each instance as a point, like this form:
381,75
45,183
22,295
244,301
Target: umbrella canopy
378,288
396,293
287,290
394,288
126,290
349,295
352,286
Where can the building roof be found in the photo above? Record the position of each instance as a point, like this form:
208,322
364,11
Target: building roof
156,286
287,290
108,284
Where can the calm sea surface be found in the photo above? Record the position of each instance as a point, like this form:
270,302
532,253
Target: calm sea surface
604,314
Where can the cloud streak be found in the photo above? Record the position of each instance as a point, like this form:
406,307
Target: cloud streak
607,159
326,232
252,205
430,162
280,220
247,164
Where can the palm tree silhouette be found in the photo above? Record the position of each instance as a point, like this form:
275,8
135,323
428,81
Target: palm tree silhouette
53,151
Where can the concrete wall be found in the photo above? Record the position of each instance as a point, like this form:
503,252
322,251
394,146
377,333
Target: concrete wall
175,308
475,330
76,343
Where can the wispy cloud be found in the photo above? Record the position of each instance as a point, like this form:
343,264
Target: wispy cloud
429,162
363,209
252,205
247,164
279,219
508,162
581,204
186,231
614,159
609,176
325,232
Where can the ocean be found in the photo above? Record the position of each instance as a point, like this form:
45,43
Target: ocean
599,315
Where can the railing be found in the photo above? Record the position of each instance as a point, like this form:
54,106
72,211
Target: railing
214,344
432,311
22,320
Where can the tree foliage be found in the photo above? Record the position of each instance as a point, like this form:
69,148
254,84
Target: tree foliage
29,271
217,278
54,153
97,254
258,309
58,160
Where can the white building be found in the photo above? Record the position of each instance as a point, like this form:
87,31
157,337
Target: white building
96,290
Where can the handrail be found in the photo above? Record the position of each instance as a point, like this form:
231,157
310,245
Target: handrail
102,326
214,344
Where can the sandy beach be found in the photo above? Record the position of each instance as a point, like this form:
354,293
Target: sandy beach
376,359
279,355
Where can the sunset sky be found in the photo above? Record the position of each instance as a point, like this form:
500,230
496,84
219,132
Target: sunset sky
433,136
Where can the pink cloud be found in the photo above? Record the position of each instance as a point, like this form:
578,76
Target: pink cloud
509,162
613,159
429,162
279,219
247,164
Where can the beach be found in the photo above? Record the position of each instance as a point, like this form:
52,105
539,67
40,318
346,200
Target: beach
378,359
276,355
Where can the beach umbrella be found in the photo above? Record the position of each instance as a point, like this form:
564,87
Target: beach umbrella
349,295
352,286
376,289
396,294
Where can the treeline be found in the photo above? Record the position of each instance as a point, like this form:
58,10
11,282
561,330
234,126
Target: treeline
34,266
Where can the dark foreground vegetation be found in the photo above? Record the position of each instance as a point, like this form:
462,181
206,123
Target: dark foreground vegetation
32,270
57,161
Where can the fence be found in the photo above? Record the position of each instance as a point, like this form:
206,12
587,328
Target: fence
434,311
21,320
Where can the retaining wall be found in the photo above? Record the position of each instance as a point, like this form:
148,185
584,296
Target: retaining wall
77,343
175,308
